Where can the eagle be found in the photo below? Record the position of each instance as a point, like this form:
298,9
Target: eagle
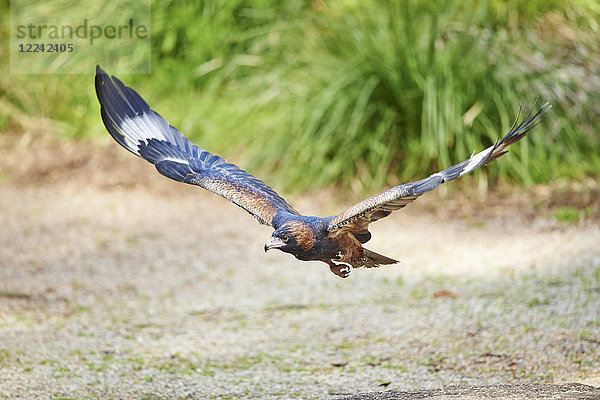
335,240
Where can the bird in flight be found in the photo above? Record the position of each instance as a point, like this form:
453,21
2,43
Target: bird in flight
336,240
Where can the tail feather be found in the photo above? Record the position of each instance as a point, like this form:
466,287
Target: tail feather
375,259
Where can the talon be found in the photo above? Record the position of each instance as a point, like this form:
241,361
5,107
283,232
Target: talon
345,272
339,268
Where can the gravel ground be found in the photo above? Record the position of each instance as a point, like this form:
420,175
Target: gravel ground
563,391
110,289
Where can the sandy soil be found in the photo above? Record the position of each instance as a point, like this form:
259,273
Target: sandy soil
118,283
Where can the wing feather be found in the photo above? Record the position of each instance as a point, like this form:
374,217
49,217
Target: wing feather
142,131
358,217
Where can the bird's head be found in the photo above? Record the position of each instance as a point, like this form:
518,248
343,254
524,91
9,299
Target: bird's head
293,237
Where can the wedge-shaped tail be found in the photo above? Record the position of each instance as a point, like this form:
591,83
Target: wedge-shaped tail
376,259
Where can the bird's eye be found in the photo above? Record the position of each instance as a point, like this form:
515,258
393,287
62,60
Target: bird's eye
285,238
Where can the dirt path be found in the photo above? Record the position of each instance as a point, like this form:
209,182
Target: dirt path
160,290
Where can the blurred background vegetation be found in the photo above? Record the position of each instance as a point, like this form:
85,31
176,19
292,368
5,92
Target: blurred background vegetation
358,93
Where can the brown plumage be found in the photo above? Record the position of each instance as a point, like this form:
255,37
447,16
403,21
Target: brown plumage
337,240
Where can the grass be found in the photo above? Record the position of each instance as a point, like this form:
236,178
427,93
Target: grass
359,94
569,214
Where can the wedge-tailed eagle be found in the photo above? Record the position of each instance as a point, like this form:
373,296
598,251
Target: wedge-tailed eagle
336,240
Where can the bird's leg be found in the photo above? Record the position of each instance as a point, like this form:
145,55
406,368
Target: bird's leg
339,268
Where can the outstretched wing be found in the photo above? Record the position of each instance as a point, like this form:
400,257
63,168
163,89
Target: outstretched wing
358,217
146,134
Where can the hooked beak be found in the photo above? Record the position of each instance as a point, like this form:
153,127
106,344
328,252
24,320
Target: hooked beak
273,243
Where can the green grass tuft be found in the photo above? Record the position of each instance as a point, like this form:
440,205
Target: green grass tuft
568,214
